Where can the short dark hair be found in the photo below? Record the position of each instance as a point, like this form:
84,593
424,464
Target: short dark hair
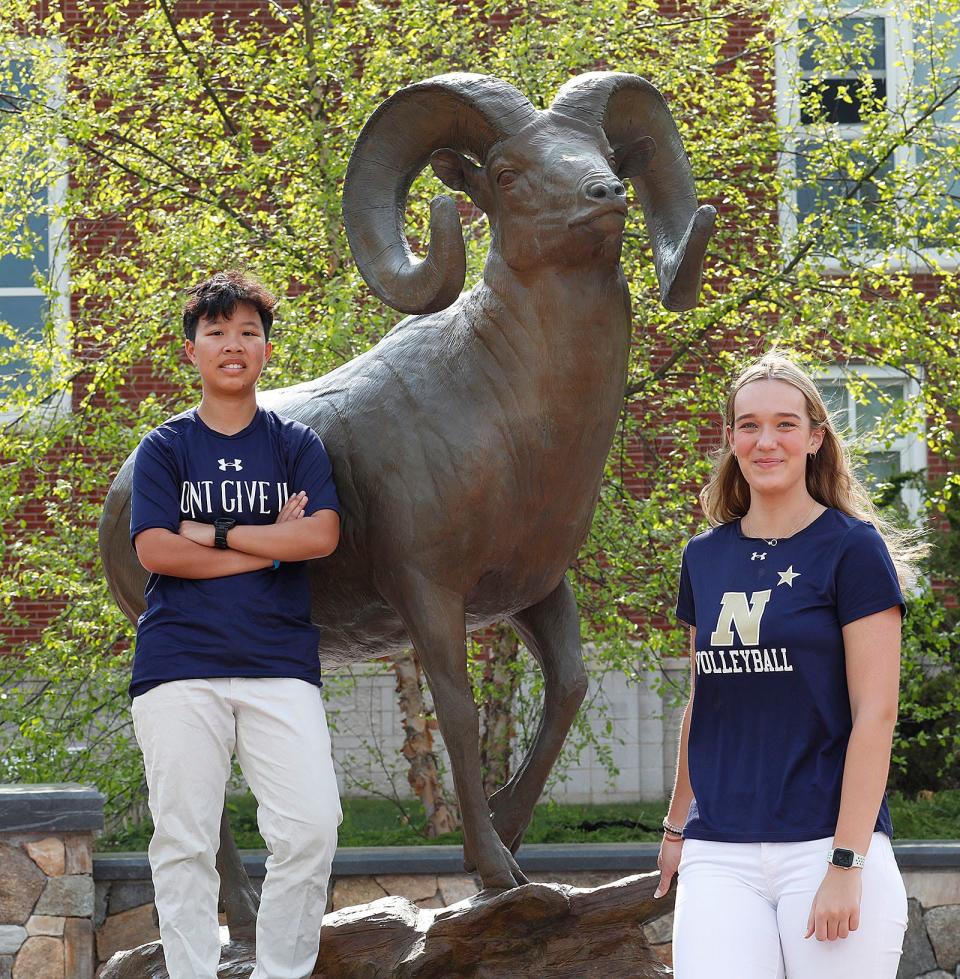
217,297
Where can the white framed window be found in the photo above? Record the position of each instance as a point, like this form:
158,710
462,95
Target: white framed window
841,70
35,283
861,400
932,74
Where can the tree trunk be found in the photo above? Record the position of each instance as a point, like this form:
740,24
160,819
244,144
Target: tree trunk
423,775
500,678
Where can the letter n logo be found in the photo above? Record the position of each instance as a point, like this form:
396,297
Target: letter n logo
734,611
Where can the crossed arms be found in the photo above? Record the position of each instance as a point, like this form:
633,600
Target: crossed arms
190,553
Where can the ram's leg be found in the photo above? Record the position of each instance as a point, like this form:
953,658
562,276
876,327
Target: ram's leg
551,631
435,623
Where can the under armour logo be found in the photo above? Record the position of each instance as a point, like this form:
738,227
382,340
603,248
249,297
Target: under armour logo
758,557
224,464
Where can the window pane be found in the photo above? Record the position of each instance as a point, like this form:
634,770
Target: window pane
834,63
26,314
825,189
25,209
14,85
856,42
876,468
880,466
936,61
939,185
840,100
16,271
936,67
870,414
835,398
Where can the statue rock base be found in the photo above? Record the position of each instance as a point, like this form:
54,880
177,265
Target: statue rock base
547,931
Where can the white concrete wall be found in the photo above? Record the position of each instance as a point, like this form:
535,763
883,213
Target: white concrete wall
644,725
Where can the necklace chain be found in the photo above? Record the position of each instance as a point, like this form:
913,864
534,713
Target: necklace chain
773,541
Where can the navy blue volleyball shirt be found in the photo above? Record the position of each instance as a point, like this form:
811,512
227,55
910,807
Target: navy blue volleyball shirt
255,624
771,711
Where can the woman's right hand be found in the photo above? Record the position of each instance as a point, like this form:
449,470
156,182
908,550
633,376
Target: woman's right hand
293,508
668,861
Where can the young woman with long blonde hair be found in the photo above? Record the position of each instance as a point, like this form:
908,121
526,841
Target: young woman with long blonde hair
778,824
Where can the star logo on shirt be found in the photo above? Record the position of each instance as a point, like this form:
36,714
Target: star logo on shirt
786,577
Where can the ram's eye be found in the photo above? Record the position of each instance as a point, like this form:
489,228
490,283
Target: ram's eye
506,177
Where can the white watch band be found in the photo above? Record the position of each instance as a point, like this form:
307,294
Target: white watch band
858,858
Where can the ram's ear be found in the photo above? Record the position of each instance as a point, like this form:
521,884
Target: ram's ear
459,173
634,157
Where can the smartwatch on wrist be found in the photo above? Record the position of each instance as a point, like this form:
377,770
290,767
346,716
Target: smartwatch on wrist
220,528
839,857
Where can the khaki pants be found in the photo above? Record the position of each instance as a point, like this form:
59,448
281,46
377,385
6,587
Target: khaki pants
188,730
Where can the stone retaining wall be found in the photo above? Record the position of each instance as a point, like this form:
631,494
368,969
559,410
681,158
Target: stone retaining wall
62,915
46,881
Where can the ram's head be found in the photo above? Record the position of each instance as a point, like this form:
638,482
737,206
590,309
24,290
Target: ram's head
551,182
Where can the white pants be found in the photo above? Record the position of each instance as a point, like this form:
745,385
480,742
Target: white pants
187,730
742,911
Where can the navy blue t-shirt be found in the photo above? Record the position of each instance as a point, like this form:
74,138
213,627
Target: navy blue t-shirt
771,711
255,624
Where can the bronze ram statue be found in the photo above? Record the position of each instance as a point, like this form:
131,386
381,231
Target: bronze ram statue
468,445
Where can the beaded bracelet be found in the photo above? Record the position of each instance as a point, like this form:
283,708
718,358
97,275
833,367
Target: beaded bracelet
670,828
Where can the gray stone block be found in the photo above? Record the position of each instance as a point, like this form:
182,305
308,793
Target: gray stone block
66,806
933,887
70,896
943,927
21,883
6,966
936,854
917,952
539,857
101,901
11,938
79,955
127,894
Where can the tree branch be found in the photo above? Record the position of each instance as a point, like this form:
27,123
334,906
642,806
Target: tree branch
802,251
221,109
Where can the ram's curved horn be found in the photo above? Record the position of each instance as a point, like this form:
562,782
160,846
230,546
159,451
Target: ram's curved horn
632,113
464,112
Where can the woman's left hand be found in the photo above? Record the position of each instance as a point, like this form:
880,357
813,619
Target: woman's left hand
836,905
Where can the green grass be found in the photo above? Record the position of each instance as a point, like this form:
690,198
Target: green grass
376,822
937,818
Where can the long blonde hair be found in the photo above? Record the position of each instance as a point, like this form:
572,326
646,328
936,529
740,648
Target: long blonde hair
830,478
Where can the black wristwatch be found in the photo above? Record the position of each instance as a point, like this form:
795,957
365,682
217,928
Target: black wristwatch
220,528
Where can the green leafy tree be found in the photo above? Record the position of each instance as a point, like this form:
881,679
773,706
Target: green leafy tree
186,143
